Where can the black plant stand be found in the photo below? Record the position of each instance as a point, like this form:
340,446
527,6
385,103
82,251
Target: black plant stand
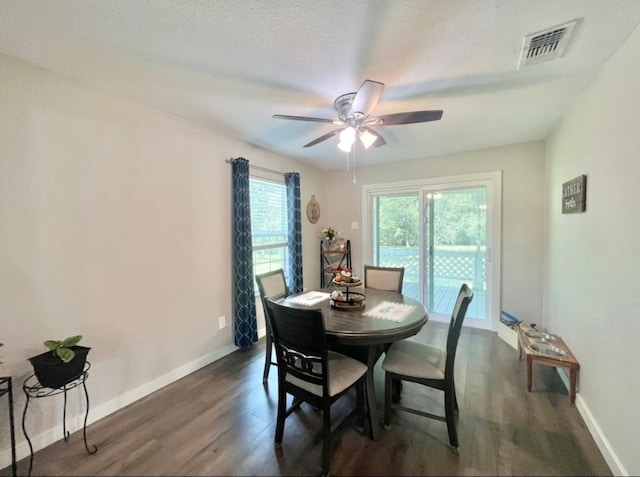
33,389
7,388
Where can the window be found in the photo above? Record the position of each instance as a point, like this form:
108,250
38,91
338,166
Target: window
268,225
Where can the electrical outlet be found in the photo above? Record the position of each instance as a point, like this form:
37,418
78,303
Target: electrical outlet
355,225
222,322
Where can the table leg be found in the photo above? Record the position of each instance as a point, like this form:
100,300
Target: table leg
375,351
529,371
573,374
519,350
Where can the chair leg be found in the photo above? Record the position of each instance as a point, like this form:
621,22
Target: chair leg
282,414
388,382
326,439
396,390
449,398
267,359
360,403
455,398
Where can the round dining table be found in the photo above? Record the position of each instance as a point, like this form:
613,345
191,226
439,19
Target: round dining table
360,335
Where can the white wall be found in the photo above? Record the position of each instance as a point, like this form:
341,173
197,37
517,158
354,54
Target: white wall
522,211
115,224
592,267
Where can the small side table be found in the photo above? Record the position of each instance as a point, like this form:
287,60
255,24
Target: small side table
568,361
33,389
6,387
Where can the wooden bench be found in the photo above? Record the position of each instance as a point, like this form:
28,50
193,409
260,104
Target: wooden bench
568,361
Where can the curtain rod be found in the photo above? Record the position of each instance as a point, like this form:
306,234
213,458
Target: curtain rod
258,168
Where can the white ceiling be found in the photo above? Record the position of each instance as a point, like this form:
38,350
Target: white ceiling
230,65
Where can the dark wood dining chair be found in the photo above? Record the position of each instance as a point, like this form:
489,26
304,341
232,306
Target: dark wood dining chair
270,285
384,278
309,372
422,363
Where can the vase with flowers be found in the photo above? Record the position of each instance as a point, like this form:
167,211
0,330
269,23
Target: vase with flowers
329,237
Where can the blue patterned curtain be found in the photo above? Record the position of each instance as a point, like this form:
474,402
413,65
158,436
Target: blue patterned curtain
292,181
244,310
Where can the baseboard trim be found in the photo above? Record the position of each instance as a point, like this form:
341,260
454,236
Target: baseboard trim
49,436
601,440
617,468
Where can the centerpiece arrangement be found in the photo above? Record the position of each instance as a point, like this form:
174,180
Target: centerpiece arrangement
347,300
345,278
329,237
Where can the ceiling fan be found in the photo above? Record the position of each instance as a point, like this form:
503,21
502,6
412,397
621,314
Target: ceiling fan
354,111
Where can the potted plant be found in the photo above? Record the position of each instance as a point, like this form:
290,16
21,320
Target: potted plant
63,363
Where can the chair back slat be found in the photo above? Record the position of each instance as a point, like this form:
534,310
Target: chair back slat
301,346
306,368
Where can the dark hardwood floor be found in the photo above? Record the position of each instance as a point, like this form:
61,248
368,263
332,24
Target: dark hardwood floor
221,419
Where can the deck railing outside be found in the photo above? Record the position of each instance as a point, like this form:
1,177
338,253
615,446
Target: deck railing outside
451,268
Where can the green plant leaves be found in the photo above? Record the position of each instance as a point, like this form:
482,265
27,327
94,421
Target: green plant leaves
65,354
52,344
71,341
63,348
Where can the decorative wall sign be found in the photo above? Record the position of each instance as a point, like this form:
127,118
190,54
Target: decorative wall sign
574,195
313,210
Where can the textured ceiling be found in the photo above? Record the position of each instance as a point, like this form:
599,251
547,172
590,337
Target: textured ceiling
230,65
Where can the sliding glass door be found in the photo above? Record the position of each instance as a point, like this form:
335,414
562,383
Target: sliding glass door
397,236
455,243
443,234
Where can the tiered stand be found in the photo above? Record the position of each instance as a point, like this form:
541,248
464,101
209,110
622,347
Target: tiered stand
354,301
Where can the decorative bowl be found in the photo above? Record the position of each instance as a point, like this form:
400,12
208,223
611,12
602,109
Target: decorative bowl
548,350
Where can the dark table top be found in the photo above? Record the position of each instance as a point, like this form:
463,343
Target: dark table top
354,328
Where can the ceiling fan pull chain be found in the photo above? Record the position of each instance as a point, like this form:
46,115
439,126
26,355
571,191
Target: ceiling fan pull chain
354,164
348,160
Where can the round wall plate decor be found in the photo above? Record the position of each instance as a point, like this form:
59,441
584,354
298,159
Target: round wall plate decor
313,210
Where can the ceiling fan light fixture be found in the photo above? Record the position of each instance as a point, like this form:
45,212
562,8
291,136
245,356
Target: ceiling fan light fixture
345,146
347,139
348,135
367,139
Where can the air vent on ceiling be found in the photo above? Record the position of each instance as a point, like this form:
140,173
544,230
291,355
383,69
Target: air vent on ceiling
546,45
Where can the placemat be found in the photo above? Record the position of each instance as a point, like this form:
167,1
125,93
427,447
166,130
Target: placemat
388,310
309,298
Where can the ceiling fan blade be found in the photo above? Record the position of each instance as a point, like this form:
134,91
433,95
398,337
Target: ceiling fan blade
409,117
304,118
323,138
367,97
379,139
